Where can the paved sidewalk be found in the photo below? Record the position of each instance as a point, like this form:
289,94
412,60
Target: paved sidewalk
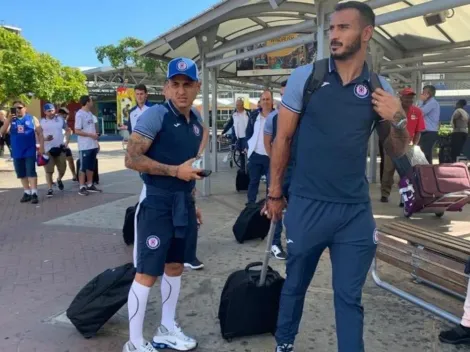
49,251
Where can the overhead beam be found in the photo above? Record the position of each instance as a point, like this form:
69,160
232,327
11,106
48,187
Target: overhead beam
381,3
192,25
452,55
418,10
308,38
258,37
441,48
426,68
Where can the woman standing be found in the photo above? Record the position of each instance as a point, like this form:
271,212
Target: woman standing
459,123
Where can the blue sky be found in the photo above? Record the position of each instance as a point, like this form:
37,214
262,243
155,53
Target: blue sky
70,30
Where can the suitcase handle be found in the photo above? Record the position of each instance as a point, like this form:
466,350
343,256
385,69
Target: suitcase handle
252,265
267,254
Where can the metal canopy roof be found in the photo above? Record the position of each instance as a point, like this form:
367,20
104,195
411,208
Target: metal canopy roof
241,20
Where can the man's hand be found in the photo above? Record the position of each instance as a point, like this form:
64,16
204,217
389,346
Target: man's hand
41,150
273,209
386,105
199,216
49,138
94,136
186,172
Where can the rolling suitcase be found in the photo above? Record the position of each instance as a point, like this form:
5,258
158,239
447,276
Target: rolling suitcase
250,224
243,179
404,164
100,299
249,303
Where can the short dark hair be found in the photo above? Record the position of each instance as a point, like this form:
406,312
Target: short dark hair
84,99
284,83
19,102
431,89
141,87
462,102
365,11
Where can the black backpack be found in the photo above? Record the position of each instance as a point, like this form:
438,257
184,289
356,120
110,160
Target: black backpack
315,81
100,299
128,227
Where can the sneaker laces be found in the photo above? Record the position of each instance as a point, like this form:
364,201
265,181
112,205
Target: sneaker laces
286,347
176,332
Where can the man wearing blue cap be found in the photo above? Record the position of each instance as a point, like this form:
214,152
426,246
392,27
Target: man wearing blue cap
53,127
163,147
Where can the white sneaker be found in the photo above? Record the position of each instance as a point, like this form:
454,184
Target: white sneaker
145,347
174,339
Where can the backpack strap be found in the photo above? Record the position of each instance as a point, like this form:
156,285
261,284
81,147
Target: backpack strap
314,81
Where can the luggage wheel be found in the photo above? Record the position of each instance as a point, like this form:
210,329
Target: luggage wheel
406,213
439,215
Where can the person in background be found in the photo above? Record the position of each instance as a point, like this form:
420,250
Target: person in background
53,127
432,113
85,128
459,123
270,129
4,140
64,113
415,125
238,121
258,160
25,132
141,96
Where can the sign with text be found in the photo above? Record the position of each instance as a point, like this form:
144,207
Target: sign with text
275,63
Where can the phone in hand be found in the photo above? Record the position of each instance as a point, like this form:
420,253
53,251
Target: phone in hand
13,111
204,173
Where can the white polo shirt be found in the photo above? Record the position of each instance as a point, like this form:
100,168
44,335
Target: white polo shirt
135,113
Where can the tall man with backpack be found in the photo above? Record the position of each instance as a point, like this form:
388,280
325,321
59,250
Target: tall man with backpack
329,203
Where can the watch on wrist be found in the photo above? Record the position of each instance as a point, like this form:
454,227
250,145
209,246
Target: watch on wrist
281,197
400,124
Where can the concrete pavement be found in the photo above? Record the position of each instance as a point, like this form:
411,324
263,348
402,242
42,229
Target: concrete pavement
48,252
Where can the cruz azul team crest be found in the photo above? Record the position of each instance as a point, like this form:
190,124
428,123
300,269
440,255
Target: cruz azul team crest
153,242
361,91
181,65
196,130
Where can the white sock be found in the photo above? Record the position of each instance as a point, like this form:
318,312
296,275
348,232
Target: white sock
137,304
27,191
170,292
34,191
90,184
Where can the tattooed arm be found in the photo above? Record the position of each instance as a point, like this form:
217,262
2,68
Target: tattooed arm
136,159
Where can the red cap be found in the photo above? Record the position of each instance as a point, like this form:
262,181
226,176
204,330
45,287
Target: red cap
407,91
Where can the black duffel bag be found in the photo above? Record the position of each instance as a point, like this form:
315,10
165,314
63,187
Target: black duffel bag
250,224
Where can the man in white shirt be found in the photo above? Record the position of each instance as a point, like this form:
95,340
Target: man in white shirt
258,159
237,123
85,129
53,128
141,96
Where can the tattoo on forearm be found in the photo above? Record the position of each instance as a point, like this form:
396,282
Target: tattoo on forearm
395,140
136,159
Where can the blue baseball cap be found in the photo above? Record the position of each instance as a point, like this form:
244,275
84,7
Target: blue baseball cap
49,106
183,66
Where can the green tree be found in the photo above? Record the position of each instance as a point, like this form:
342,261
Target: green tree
123,57
24,72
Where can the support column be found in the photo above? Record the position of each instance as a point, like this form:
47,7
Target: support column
323,9
205,42
214,74
377,54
